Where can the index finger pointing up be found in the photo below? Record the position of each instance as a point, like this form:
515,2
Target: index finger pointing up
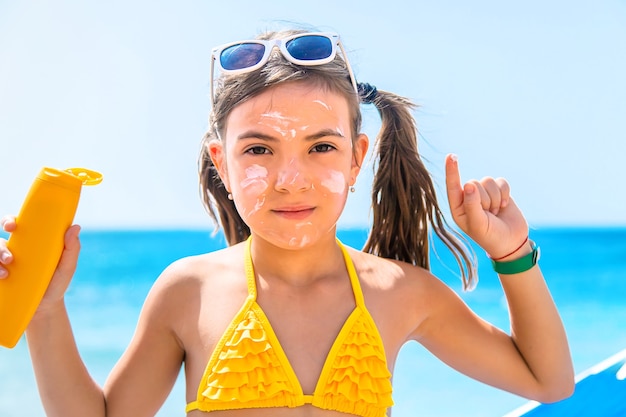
453,182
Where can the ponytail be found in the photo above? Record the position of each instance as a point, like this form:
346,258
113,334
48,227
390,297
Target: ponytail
404,201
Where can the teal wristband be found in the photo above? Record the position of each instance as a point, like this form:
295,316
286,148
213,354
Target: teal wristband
519,265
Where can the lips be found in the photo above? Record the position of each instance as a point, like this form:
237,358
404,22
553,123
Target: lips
294,213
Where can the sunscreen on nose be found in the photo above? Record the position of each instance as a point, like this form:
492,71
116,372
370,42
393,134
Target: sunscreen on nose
37,244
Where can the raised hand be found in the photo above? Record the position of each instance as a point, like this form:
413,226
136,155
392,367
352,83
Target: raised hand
485,211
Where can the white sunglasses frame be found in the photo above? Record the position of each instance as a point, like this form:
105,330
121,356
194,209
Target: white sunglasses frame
281,44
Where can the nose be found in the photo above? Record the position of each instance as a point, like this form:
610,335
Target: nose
292,177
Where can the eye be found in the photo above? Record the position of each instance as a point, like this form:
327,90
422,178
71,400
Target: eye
323,147
257,150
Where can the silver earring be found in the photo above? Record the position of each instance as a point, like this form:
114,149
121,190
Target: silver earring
352,189
230,196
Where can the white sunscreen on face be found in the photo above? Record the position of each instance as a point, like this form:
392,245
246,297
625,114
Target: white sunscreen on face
256,179
289,176
255,184
279,123
326,106
303,238
335,182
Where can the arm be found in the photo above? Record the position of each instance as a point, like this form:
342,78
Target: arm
140,381
535,360
532,362
65,386
538,333
144,376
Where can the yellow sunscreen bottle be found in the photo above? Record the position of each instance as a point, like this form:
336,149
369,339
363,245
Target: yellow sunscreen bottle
36,244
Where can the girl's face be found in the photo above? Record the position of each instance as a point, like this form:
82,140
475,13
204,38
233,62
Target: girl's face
288,159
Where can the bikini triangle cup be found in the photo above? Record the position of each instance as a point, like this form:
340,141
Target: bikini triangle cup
249,369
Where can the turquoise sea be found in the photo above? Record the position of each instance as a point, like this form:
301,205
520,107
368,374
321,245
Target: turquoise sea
585,269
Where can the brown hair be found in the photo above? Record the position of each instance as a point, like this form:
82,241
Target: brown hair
404,201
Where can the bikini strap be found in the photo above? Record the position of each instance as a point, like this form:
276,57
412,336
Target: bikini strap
250,270
354,278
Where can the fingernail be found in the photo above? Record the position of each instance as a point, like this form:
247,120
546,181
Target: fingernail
3,273
4,257
454,158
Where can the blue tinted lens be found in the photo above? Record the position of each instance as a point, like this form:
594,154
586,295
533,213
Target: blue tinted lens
310,47
240,56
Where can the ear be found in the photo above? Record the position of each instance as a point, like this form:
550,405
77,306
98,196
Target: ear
361,144
217,154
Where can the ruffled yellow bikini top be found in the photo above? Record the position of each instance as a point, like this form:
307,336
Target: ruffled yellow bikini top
249,369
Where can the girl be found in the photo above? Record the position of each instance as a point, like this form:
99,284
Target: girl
287,321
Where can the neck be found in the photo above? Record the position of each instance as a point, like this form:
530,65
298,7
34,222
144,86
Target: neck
297,267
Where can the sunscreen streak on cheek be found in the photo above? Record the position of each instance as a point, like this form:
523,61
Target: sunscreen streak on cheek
335,182
259,203
255,185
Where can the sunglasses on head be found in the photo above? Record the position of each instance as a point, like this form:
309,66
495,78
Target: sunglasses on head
306,49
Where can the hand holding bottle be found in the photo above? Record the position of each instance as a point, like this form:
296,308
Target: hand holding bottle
42,247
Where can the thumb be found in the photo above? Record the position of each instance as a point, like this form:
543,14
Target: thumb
69,257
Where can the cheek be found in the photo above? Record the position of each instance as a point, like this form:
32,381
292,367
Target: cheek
335,182
253,189
255,182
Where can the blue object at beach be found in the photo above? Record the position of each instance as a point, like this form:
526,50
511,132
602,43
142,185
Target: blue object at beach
600,392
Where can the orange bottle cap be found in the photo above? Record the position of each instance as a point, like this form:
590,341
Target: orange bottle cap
87,176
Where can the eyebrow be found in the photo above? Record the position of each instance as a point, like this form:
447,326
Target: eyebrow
255,134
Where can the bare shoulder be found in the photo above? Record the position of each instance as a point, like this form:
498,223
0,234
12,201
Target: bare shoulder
201,269
188,283
391,275
399,292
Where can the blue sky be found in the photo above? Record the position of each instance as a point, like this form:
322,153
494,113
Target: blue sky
533,91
